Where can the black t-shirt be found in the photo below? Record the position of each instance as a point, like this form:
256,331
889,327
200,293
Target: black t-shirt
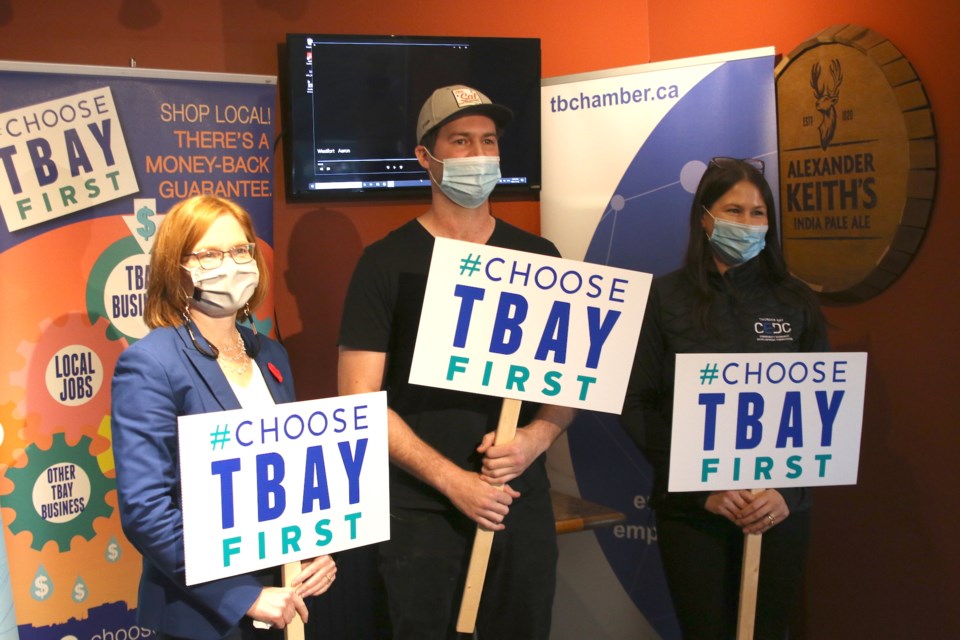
382,314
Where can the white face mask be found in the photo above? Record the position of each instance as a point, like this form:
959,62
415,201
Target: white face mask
223,291
468,181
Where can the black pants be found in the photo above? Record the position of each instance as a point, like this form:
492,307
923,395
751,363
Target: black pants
702,559
424,566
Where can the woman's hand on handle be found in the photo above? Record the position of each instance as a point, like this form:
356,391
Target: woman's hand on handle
767,510
316,576
278,606
729,504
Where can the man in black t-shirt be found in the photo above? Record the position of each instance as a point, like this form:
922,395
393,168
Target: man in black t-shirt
445,469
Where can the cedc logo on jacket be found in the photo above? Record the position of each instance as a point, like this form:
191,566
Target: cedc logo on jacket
773,330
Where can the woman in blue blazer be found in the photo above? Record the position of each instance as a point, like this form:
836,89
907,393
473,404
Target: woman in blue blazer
205,275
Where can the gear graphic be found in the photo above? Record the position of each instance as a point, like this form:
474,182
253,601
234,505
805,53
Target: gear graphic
11,449
11,442
34,482
105,457
48,415
96,284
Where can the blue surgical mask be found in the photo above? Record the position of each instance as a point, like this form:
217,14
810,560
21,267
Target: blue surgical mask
468,181
735,242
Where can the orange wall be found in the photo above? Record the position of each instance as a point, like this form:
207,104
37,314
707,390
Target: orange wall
885,554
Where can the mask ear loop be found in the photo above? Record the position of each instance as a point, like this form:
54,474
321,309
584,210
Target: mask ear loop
429,172
707,211
253,348
213,353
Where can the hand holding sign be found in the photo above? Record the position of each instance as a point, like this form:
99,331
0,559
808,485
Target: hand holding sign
766,509
505,460
743,421
483,502
282,608
524,327
754,512
483,541
283,484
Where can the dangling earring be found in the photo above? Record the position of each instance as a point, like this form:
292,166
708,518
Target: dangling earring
187,318
253,325
255,345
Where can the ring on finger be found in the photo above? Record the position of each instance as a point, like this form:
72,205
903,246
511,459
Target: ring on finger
771,518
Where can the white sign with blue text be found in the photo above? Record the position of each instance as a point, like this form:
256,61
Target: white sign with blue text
264,487
529,327
62,156
772,420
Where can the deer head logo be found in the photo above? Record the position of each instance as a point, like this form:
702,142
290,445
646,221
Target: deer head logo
827,96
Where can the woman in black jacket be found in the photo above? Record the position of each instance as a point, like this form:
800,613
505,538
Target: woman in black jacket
733,284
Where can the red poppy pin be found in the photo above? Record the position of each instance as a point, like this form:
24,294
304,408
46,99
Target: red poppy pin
276,372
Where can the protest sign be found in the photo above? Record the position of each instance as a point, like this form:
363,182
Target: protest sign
524,326
288,482
773,420
529,327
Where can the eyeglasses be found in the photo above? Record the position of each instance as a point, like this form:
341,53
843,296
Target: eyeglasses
213,258
721,161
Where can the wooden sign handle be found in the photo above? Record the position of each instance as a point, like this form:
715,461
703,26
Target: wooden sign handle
749,581
294,630
483,542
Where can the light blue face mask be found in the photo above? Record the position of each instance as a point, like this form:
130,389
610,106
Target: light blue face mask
735,242
468,181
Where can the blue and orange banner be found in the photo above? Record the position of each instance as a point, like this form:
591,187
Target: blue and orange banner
90,159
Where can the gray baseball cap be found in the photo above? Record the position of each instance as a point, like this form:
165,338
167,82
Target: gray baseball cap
447,103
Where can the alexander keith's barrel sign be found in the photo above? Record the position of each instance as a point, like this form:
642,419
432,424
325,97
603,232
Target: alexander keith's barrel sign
858,162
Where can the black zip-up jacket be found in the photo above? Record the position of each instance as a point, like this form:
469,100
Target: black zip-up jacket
746,317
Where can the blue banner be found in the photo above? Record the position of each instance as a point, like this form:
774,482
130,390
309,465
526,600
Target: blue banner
623,151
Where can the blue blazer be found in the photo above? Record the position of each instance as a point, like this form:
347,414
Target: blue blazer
157,379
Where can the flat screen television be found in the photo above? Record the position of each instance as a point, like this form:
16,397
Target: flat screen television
352,101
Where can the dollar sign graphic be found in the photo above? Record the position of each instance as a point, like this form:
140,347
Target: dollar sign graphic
79,592
41,588
147,228
113,550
